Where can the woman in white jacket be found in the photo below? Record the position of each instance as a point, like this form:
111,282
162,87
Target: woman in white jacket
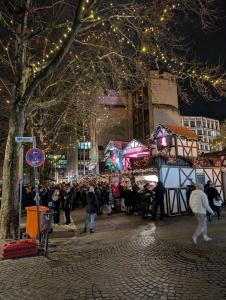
199,205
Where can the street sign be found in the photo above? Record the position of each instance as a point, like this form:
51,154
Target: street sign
35,157
24,139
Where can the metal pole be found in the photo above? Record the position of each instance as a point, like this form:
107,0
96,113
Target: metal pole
84,150
21,188
37,198
76,149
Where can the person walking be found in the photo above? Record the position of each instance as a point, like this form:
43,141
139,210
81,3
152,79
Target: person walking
199,205
91,210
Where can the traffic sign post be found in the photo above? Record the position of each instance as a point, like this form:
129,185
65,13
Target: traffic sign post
21,175
22,140
35,158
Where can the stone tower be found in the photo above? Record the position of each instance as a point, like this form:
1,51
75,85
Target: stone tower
154,102
163,99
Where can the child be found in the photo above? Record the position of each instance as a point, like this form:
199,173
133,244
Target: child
217,202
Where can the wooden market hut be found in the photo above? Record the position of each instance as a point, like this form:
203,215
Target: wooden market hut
175,152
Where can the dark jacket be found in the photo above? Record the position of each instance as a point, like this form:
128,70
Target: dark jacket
159,192
28,199
128,195
211,194
147,197
92,204
67,200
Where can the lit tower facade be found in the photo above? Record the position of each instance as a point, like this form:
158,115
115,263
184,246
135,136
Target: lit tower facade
153,103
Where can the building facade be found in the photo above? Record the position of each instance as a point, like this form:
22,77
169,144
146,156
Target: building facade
112,121
153,103
207,130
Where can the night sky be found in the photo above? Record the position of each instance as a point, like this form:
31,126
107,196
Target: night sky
210,47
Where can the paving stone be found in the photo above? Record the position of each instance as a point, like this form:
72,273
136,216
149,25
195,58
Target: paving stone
126,258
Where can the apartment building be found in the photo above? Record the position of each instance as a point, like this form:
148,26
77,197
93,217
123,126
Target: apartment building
207,130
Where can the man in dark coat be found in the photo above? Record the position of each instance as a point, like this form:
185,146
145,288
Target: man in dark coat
147,196
211,192
159,200
67,204
91,210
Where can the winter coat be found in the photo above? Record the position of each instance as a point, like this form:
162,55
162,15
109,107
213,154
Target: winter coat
54,201
159,192
199,203
92,204
211,194
67,200
116,192
110,198
122,191
147,197
28,199
99,197
128,195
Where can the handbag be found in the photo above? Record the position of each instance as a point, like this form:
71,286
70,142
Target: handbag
217,198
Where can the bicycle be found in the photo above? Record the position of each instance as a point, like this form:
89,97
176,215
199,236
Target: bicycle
44,234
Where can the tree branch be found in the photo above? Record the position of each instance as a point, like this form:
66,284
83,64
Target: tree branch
59,98
57,59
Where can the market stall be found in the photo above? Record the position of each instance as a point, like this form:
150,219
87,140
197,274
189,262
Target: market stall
174,151
118,154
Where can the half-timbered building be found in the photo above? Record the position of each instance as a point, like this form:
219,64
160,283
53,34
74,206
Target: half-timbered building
174,151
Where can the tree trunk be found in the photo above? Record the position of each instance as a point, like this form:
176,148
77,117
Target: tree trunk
9,208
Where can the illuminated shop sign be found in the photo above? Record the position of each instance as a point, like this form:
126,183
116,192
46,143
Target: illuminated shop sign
164,141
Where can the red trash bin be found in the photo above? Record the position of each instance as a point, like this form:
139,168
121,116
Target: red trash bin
32,220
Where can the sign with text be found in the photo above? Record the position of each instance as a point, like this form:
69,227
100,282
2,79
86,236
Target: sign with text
24,139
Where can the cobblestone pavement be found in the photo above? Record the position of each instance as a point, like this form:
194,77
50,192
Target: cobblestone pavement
126,258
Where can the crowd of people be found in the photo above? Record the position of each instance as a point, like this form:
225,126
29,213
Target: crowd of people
143,198
138,198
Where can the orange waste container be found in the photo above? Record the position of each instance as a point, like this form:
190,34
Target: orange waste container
32,220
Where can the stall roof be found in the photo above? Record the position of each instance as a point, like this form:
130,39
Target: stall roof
181,131
214,154
120,145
